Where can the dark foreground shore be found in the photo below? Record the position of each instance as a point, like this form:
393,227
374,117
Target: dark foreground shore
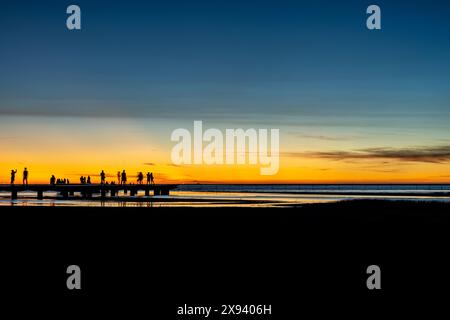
305,259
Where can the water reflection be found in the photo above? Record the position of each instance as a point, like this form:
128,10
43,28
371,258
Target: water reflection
207,199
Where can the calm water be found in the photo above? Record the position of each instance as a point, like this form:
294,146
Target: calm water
296,188
247,195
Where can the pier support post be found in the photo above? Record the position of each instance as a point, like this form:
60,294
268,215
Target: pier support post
132,193
64,194
147,192
113,193
40,195
103,193
165,191
157,192
13,194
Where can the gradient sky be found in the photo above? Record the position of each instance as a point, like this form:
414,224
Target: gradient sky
352,105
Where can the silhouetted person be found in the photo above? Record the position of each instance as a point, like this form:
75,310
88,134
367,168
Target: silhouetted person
118,177
140,178
68,182
13,176
89,180
151,178
124,177
53,180
102,177
25,177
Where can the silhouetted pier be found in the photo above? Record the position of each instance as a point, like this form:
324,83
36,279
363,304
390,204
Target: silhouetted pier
88,190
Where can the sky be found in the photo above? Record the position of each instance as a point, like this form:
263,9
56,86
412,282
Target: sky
351,104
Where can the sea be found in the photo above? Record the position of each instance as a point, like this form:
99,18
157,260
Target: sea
246,195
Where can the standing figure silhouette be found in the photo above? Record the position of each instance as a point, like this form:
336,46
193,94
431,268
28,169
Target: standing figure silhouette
13,176
151,178
102,177
118,177
25,177
140,178
124,177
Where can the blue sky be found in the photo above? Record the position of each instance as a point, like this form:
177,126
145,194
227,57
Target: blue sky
310,68
209,58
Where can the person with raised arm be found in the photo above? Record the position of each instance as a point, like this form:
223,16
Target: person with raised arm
13,175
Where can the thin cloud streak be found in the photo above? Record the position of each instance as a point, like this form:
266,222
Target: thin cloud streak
324,137
427,154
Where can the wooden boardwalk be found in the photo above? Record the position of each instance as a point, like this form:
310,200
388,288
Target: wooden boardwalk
87,190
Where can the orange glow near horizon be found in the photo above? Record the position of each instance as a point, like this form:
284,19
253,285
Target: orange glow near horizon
72,150
73,164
